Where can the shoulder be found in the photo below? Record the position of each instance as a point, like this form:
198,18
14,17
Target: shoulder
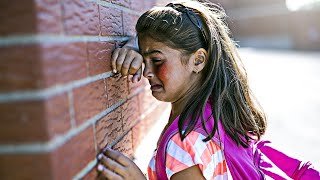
193,151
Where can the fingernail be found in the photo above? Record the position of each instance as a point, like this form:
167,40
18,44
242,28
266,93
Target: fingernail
124,77
114,71
100,167
99,156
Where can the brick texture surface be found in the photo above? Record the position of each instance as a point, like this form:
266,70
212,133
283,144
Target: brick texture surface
110,21
142,128
69,159
89,100
20,68
48,16
117,89
80,17
17,19
129,21
125,145
57,115
22,122
26,118
109,128
124,3
63,63
33,166
99,55
130,112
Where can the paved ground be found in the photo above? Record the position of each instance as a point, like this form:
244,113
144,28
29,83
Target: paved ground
287,85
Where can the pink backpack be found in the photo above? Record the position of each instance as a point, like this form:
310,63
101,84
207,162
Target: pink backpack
255,162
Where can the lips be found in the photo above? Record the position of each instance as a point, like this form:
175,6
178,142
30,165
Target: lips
155,87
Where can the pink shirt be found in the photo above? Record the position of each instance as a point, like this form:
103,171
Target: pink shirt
192,151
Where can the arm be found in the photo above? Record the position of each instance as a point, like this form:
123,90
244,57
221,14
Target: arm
190,173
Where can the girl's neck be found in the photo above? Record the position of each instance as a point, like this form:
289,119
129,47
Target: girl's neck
178,106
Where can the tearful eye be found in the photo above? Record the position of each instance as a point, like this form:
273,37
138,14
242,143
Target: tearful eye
157,61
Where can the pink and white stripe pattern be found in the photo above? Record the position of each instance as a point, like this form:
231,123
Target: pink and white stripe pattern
192,151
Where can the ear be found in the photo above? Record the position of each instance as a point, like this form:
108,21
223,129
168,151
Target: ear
199,60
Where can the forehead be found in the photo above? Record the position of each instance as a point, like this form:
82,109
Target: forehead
146,44
149,45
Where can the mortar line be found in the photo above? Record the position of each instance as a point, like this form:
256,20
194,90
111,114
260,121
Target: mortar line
50,91
91,164
55,39
45,147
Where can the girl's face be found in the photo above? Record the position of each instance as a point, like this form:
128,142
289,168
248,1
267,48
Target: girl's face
170,80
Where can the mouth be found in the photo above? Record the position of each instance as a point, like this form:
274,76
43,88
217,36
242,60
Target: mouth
155,87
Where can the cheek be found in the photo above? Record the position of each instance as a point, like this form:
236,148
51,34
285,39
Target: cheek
163,72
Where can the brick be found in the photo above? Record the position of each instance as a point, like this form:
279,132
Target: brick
22,122
57,115
141,129
48,16
146,100
124,3
20,68
99,57
117,89
17,17
130,112
109,128
125,145
93,174
161,2
63,63
129,23
89,100
149,4
37,120
138,6
138,86
80,17
110,21
32,166
73,156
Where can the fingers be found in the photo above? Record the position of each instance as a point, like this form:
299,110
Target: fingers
108,173
113,165
117,157
126,61
136,77
114,58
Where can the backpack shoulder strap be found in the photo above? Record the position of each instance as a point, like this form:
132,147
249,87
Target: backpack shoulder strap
277,164
239,159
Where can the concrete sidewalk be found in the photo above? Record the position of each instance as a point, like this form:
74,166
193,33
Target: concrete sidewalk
287,85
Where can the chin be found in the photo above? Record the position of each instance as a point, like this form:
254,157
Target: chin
160,97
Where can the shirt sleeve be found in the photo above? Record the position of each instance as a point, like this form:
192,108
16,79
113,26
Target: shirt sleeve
192,151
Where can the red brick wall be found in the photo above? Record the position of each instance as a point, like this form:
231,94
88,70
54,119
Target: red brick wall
59,101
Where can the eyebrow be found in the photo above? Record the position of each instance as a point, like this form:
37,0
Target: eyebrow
151,52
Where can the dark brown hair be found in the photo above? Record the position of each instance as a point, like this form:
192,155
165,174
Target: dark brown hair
224,80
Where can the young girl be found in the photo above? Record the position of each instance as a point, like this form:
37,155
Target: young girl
186,53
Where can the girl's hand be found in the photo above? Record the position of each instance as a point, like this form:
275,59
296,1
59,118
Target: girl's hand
128,62
114,165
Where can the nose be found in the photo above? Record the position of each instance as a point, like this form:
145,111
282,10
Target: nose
148,71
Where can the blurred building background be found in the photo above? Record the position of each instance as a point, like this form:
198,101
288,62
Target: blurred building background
280,46
285,24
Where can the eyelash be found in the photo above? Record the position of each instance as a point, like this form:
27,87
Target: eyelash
156,60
